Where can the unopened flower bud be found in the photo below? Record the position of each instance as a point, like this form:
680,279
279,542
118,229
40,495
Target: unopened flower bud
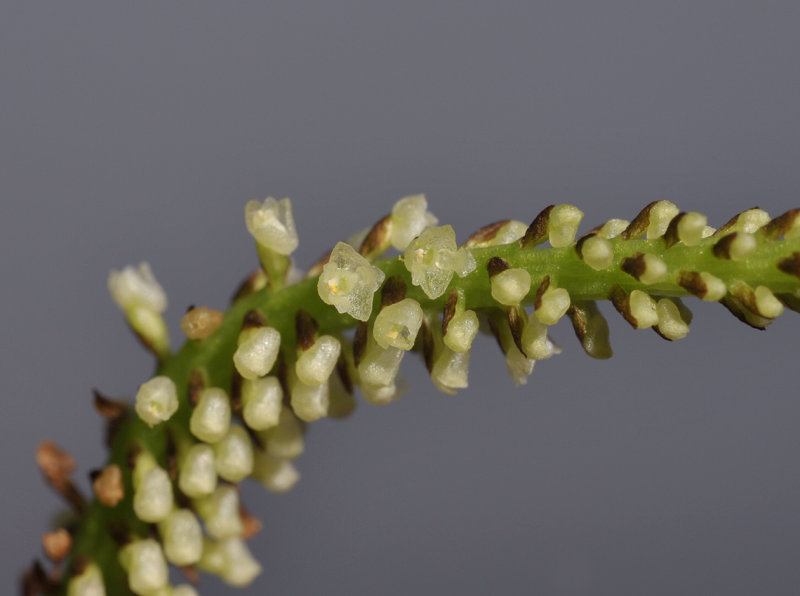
767,305
198,473
450,370
563,225
461,331
285,441
613,228
211,417
157,400
397,324
661,213
534,340
277,475
379,366
88,583
315,365
182,536
239,568
552,306
137,287
348,282
233,455
309,402
518,365
147,568
261,401
220,512
597,252
691,227
410,216
643,309
272,224
184,590
510,287
152,497
670,323
257,351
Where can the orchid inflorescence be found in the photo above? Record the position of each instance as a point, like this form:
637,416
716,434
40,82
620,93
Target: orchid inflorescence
235,402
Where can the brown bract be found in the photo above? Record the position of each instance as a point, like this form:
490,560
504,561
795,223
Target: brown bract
201,322
108,486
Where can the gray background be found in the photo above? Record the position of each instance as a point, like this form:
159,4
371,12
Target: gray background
133,131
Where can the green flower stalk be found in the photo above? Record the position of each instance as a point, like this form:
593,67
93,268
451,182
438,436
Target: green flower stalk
235,401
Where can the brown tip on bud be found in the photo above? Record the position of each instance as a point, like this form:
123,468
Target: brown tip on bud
790,265
671,237
428,345
35,581
197,383
516,323
253,319
108,408
107,486
621,301
780,225
639,224
496,265
537,231
731,223
236,390
360,341
741,312
485,235
191,575
790,301
591,329
692,282
256,281
306,329
132,456
57,544
376,240
634,266
722,248
201,322
449,310
119,532
584,238
344,371
394,290
251,525
543,285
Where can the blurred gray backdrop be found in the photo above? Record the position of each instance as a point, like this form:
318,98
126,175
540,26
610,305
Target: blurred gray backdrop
137,131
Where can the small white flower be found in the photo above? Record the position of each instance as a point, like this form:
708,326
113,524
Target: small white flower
348,282
220,512
397,324
157,400
272,224
410,216
182,536
433,258
147,568
136,287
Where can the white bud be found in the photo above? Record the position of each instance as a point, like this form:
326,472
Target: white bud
137,287
410,216
182,536
562,225
397,324
211,417
597,252
655,270
519,367
258,349
715,287
348,282
379,366
272,224
152,498
535,341
660,215
157,400
147,569
742,246
151,328
670,323
261,401
315,365
285,440
613,228
433,258
751,221
184,590
691,227
512,231
554,304
220,513
461,331
310,402
708,231
233,455
766,303
643,309
510,287
198,473
239,568
277,475
450,370
88,583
